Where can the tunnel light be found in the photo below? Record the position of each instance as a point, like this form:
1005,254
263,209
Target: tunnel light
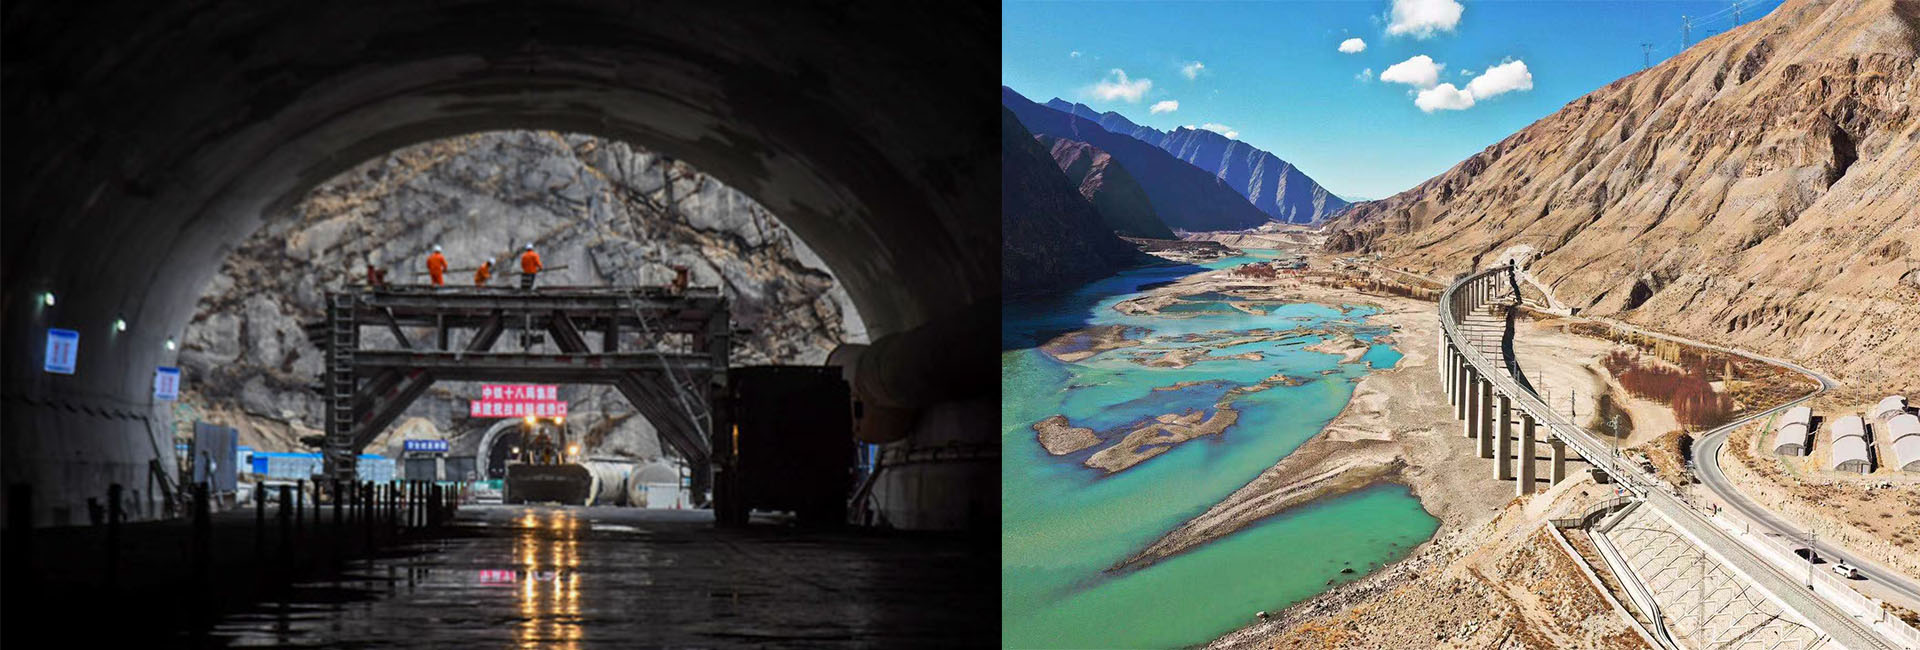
573,450
560,420
119,324
47,298
516,451
531,420
171,345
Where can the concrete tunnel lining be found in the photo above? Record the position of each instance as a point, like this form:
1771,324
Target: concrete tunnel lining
145,143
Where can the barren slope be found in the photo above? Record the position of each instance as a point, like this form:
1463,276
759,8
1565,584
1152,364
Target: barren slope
1761,189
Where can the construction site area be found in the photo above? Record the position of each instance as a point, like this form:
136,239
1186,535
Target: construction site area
492,324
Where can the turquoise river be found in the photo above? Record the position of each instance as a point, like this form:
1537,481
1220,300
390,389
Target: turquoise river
1064,524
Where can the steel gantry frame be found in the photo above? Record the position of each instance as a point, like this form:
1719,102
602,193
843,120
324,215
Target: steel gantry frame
1473,379
676,387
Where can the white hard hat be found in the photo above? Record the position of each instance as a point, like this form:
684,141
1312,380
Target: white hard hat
529,245
436,248
490,260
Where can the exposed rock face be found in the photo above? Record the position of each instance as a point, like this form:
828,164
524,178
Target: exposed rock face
1757,190
600,208
1271,184
1274,186
1185,197
1051,237
1113,192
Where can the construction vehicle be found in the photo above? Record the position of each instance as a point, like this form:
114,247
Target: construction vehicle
542,468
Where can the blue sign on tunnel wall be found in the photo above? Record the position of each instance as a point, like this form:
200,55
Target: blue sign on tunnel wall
426,445
166,384
63,349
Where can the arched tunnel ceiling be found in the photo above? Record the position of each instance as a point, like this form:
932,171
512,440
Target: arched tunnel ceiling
177,124
145,138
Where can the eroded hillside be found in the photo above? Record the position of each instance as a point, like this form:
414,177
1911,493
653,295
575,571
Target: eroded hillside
1761,189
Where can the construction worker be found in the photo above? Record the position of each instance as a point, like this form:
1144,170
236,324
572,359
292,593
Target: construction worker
529,266
376,276
437,266
484,273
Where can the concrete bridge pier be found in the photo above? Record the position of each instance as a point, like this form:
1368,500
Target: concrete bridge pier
1460,382
1524,486
1503,455
1447,369
1469,408
1485,431
1559,460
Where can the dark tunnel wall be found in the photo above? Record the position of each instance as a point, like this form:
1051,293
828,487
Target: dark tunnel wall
144,139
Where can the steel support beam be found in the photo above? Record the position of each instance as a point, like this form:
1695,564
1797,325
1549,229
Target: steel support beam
457,366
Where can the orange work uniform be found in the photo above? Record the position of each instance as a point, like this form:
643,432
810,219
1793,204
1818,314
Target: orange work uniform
484,273
530,262
437,267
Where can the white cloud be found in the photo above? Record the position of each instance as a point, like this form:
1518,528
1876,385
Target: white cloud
1167,106
1423,18
1501,79
1509,76
1419,72
1190,127
1192,70
1364,75
1074,54
1353,46
1443,97
1118,86
1221,129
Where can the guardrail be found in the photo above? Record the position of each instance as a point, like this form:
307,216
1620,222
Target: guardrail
1838,625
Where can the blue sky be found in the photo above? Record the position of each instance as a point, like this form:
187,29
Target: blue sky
1273,72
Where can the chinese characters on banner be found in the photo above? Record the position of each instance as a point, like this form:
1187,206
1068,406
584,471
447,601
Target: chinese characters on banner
533,392
517,400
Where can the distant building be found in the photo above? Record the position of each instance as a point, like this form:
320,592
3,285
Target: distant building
1849,446
1888,408
1904,431
1790,435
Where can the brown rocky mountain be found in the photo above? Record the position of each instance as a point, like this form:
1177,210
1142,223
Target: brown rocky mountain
1113,192
1761,189
1051,238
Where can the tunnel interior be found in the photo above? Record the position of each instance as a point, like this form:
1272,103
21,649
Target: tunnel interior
148,139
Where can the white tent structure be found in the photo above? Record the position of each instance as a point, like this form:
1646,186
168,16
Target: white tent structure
1904,431
1849,446
1888,408
1790,432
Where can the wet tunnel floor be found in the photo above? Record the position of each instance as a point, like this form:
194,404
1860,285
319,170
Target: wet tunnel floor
540,576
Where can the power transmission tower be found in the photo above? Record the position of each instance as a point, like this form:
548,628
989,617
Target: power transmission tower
1646,55
1686,32
1736,12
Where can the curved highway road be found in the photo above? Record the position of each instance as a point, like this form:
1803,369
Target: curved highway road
1707,468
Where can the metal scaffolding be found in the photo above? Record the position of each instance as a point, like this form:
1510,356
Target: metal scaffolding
665,351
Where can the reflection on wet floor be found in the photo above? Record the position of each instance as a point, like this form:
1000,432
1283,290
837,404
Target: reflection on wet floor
555,577
549,591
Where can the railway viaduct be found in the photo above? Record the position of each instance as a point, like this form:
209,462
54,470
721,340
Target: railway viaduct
1488,393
